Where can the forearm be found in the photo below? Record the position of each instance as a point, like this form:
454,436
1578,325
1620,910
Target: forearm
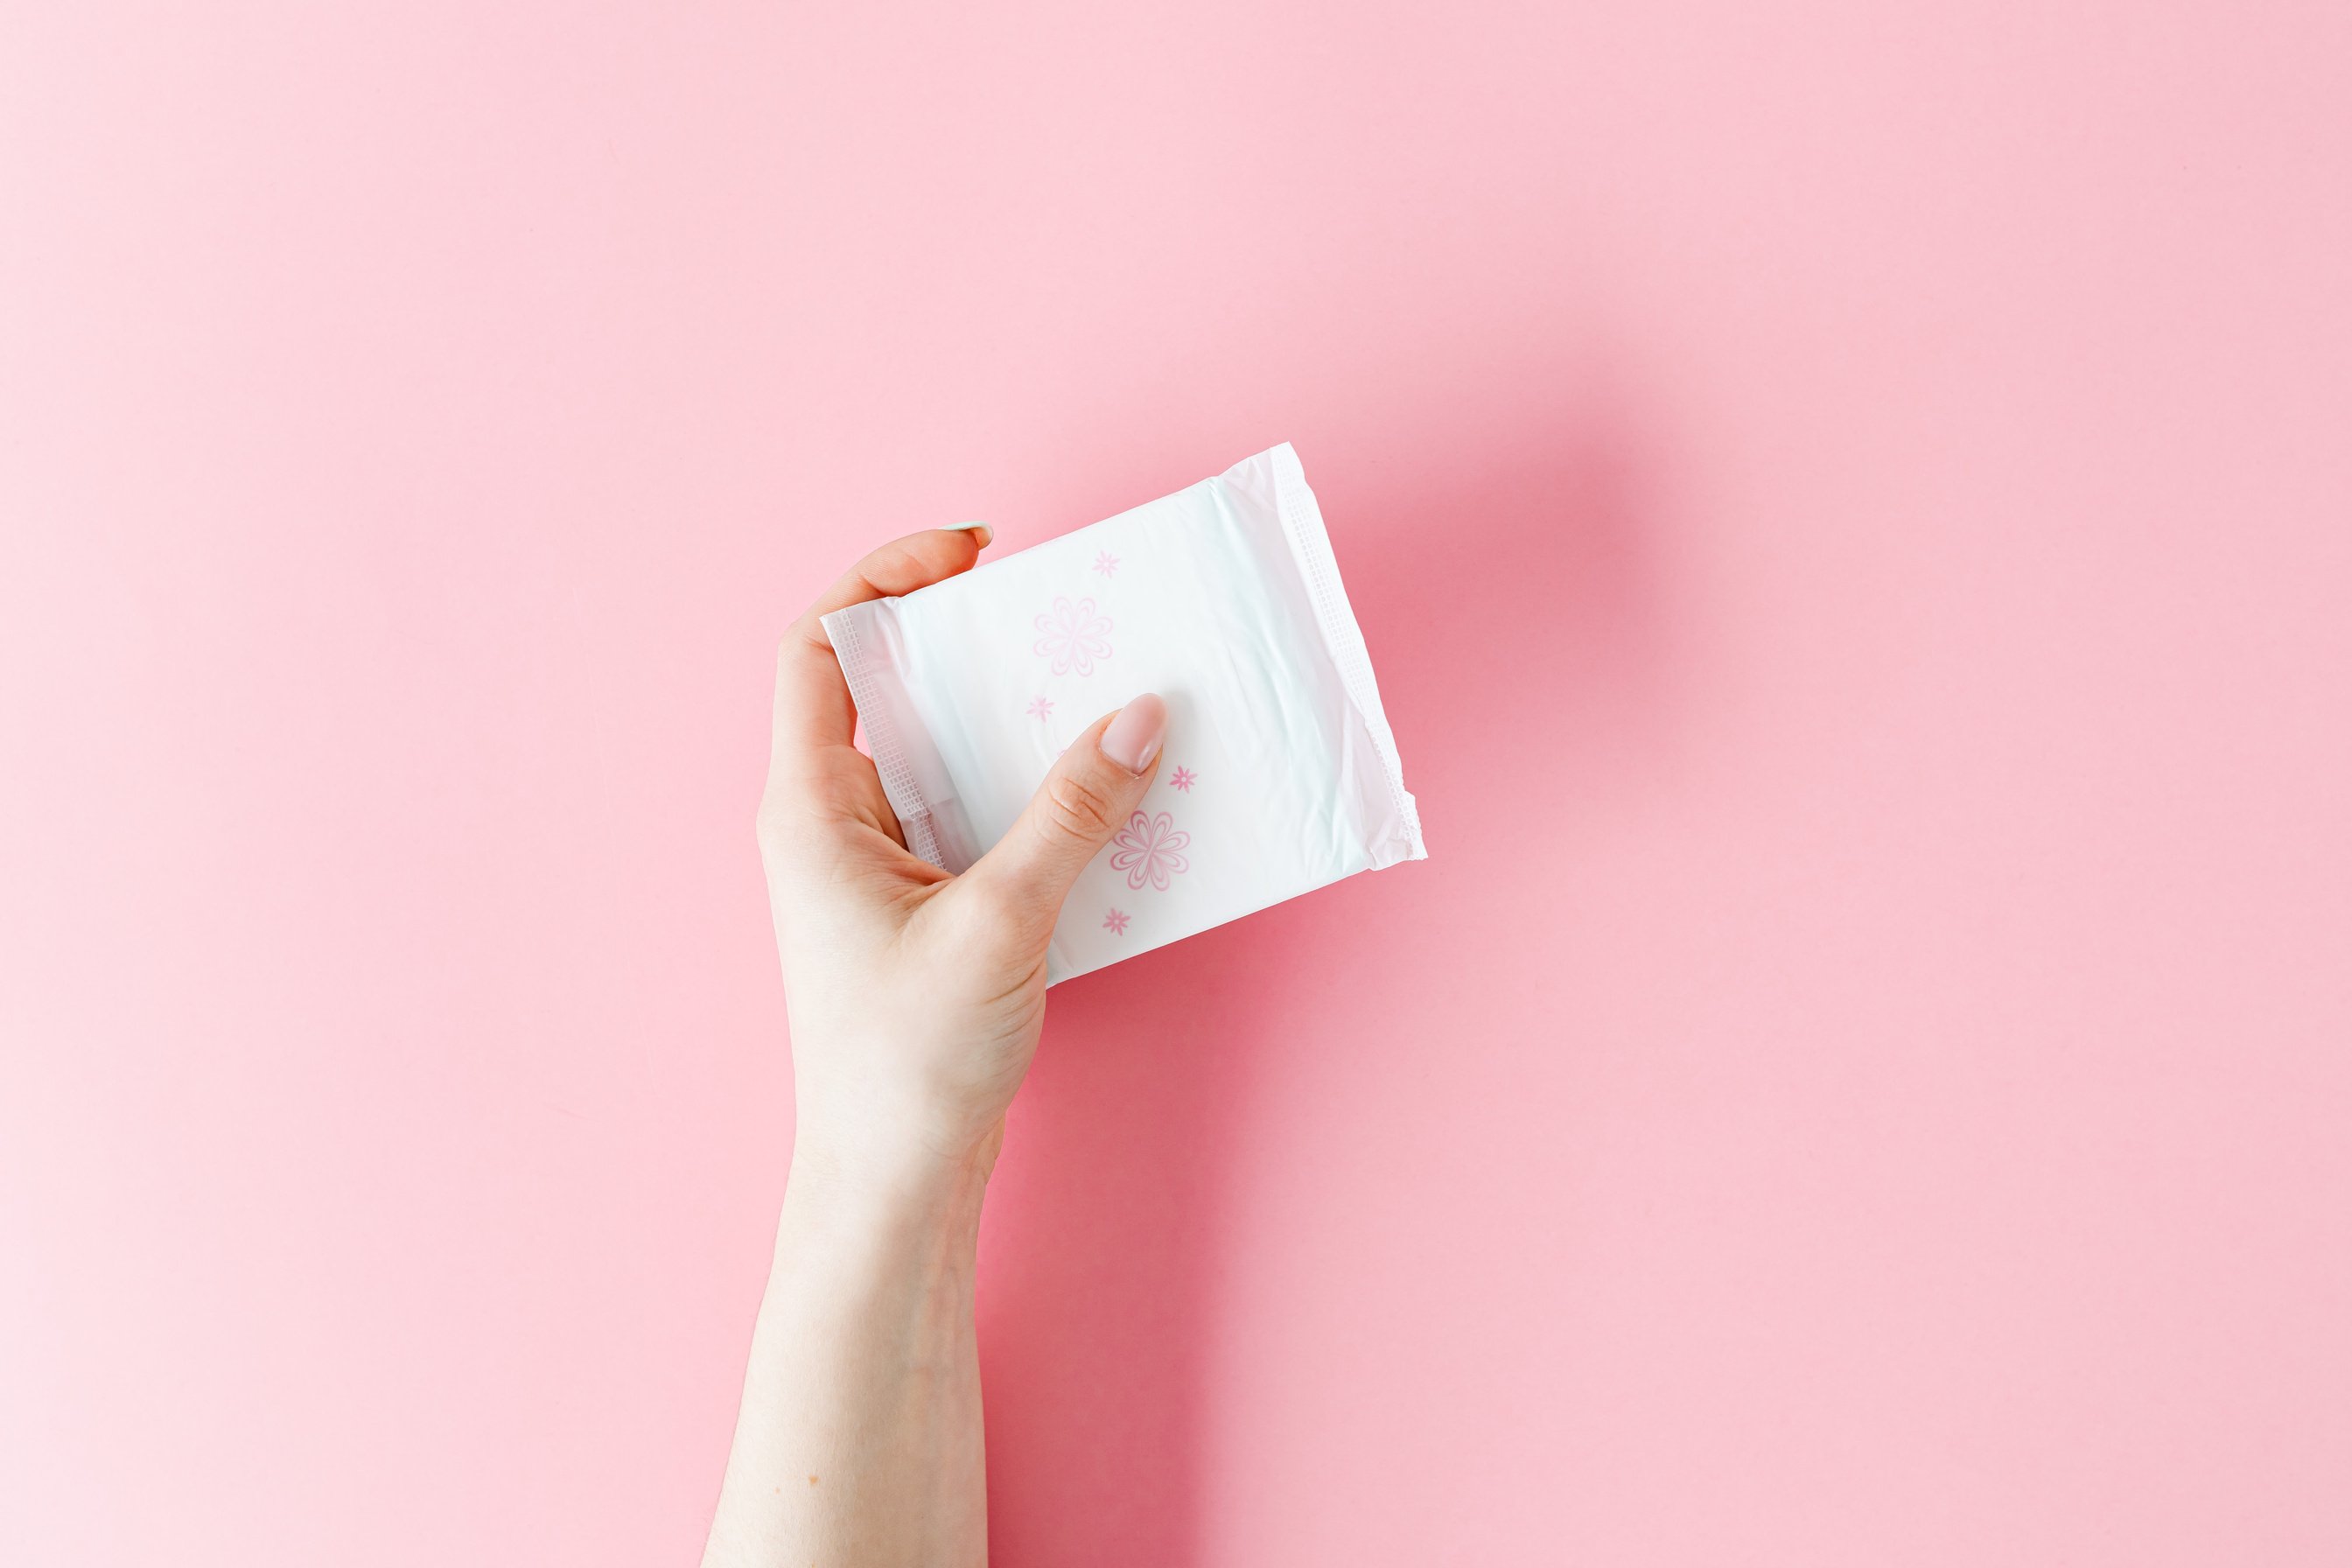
859,1437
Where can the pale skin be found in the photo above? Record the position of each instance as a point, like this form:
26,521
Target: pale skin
915,1000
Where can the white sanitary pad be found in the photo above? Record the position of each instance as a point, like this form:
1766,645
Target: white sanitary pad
1279,773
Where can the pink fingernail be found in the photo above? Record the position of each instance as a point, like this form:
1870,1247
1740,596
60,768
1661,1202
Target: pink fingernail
1134,737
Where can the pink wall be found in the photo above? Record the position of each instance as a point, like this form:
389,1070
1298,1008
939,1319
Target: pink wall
1853,507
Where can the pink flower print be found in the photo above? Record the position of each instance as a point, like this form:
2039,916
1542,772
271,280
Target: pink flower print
1107,564
1183,779
1073,636
1116,921
1041,708
1148,848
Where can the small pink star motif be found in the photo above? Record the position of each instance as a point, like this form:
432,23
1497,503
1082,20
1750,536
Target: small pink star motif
1116,921
1107,564
1183,779
1041,708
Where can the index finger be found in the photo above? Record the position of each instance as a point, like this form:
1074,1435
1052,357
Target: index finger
813,705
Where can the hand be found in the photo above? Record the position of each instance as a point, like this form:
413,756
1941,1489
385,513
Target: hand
916,997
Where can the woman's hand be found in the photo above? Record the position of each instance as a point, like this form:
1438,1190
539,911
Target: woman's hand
914,997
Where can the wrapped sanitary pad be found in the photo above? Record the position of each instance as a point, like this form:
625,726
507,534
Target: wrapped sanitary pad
1279,773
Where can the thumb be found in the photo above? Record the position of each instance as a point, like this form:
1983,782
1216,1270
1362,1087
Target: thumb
1084,800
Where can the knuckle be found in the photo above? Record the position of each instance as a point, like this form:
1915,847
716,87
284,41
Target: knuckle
803,637
769,826
781,825
1079,808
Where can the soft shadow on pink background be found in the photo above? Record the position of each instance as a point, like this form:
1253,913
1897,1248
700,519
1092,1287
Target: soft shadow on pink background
1851,508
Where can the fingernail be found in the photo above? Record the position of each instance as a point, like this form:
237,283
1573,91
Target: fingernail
987,534
1133,739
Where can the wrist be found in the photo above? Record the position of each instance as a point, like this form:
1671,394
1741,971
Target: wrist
874,1178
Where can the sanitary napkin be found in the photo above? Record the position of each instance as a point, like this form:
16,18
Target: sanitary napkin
1279,773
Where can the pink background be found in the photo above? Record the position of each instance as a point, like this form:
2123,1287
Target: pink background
1852,506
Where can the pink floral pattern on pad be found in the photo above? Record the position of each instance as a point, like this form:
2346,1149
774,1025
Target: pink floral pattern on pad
1150,848
1073,636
